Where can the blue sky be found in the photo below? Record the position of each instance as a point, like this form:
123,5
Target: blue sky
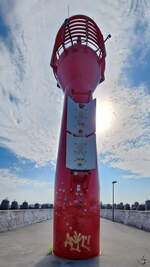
31,104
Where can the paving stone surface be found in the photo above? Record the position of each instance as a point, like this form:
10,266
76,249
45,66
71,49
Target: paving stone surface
121,246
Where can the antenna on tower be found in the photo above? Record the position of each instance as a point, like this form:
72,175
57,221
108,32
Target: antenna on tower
68,10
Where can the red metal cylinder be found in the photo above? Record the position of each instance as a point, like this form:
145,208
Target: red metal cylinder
78,62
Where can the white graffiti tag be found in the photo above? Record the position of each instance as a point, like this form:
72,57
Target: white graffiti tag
77,241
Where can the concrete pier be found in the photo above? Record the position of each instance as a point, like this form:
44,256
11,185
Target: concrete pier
121,245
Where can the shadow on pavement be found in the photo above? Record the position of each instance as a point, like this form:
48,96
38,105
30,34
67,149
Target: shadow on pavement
53,261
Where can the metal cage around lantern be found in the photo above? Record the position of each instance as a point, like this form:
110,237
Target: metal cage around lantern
78,29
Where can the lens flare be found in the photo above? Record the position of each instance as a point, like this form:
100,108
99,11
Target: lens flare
103,117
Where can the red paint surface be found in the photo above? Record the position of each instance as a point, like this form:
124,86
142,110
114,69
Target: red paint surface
78,70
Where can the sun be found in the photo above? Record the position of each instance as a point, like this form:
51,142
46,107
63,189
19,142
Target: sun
103,117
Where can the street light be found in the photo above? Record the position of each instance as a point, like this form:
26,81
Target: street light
113,182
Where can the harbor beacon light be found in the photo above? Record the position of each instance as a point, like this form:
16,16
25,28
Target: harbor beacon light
78,63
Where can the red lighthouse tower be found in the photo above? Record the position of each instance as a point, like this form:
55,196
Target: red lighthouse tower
78,62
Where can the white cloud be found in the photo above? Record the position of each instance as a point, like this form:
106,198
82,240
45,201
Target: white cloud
22,188
31,104
128,139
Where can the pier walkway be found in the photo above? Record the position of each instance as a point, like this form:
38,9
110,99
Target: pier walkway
121,246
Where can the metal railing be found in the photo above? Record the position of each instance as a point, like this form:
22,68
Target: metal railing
78,29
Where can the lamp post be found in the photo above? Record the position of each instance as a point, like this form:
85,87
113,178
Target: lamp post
113,182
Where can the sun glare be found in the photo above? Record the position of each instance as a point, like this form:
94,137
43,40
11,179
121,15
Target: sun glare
103,117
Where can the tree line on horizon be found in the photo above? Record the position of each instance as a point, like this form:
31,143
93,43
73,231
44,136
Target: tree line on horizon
127,206
5,205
